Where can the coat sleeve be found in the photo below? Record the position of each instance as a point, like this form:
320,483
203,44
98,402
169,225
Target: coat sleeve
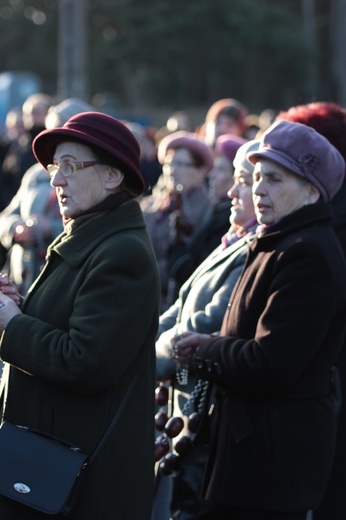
292,327
195,317
209,319
110,315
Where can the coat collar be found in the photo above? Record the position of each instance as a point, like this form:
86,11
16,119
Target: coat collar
75,248
319,213
220,255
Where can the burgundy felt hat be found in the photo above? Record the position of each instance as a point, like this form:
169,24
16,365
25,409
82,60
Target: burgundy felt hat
305,152
189,140
101,132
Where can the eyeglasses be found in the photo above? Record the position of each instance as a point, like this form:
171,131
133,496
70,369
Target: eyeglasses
179,164
67,168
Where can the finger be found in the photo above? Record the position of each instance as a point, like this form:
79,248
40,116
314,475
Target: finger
182,360
186,334
181,349
3,279
182,357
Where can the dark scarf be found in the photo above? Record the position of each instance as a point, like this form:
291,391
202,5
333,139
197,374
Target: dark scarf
111,202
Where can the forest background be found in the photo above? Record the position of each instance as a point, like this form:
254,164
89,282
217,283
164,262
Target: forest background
148,58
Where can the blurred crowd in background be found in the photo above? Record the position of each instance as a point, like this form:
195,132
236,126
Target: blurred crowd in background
187,167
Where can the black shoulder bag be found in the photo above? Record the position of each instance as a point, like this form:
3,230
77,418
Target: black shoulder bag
43,472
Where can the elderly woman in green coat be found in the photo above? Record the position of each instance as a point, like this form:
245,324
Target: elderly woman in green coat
87,327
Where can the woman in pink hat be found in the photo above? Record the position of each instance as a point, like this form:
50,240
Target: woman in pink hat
87,327
273,427
220,179
176,208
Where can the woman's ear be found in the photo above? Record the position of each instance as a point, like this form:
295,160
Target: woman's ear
114,178
314,194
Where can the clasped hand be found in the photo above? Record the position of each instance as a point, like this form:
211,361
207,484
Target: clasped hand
185,345
9,301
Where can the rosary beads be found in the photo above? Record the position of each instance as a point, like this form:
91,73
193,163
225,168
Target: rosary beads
173,426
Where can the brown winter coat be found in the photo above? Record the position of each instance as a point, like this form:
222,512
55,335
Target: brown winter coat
274,426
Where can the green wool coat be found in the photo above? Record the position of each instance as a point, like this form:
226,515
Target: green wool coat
88,325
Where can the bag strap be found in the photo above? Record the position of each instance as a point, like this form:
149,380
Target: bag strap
115,419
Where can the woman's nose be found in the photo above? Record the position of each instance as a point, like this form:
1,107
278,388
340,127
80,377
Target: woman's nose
233,191
258,188
57,180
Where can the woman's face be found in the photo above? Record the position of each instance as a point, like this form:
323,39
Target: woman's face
180,171
277,192
83,189
220,177
240,193
227,125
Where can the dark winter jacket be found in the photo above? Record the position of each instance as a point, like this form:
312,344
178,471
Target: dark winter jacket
88,326
274,425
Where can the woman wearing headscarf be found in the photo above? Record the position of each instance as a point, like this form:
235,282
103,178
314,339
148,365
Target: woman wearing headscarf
273,428
87,326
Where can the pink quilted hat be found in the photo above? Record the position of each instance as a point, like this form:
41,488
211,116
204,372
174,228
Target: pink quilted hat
228,145
189,140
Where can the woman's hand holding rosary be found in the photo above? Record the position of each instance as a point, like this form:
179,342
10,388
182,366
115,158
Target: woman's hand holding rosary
185,345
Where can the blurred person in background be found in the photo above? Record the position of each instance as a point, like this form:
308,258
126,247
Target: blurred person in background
180,120
225,116
150,167
176,121
265,119
221,173
14,126
19,156
13,130
32,219
251,126
257,124
220,178
174,211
